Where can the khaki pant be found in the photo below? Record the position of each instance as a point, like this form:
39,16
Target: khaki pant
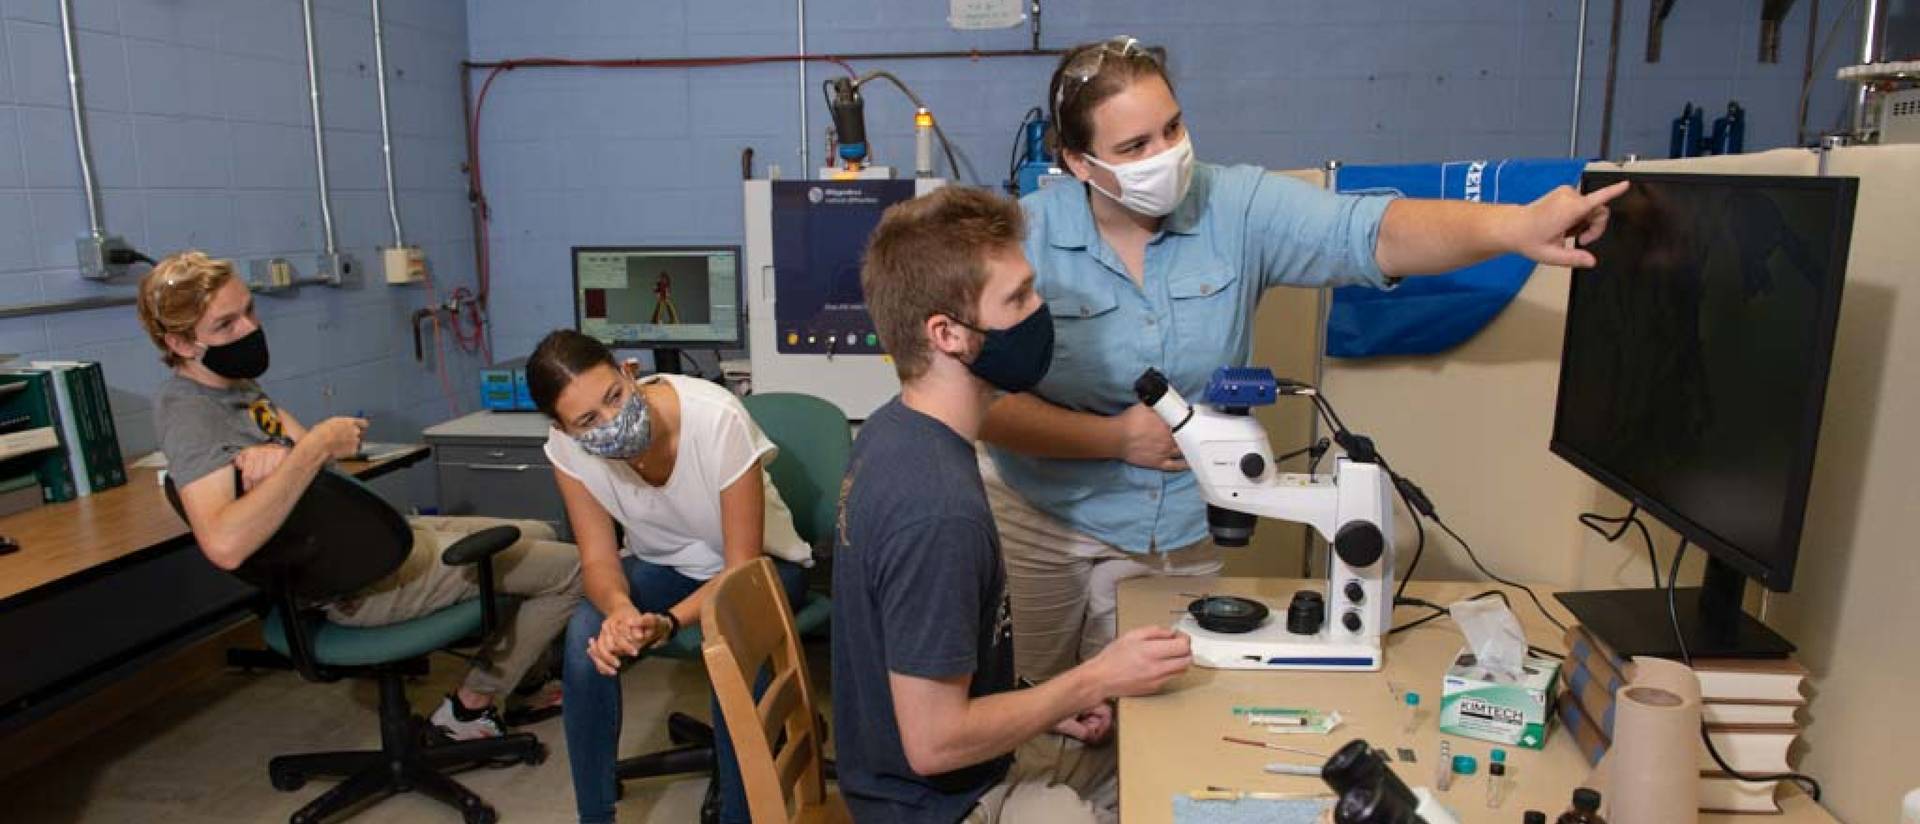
1054,780
543,572
1064,584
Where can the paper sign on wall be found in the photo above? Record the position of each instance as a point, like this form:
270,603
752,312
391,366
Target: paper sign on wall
986,14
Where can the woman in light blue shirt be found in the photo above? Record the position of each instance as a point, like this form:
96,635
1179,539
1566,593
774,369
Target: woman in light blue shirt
1161,261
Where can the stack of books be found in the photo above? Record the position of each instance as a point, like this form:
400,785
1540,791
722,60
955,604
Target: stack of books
1751,708
61,418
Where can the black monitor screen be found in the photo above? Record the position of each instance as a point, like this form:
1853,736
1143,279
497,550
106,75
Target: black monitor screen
1696,355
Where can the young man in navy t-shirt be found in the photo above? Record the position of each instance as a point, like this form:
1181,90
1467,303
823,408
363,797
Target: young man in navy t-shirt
929,725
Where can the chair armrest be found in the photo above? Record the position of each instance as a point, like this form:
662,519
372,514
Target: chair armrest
479,548
480,545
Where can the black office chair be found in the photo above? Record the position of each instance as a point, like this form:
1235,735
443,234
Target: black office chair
337,512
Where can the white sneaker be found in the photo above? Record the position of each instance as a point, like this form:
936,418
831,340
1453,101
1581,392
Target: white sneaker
457,722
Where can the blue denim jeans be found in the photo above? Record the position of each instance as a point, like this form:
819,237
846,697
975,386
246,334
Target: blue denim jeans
593,700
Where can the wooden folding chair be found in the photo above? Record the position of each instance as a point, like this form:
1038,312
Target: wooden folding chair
779,740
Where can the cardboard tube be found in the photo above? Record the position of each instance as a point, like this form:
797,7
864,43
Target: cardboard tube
1651,773
1672,676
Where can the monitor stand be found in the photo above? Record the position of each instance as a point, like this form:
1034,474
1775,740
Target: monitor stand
667,362
1636,622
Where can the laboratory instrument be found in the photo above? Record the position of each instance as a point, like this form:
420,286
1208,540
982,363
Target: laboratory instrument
1352,508
1370,793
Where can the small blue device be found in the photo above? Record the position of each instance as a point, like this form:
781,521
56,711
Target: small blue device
1242,387
503,387
1038,162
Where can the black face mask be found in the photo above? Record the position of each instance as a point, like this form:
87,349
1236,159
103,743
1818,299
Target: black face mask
241,360
1014,359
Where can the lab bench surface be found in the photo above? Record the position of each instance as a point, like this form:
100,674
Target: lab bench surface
493,464
1170,743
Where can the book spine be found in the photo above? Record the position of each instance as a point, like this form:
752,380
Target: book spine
73,408
36,402
112,464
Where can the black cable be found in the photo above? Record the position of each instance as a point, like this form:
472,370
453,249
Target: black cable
1471,556
1440,611
1806,782
1418,504
1419,544
1593,521
1019,154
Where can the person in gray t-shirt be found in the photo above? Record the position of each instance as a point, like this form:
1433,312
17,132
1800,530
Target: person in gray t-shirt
240,463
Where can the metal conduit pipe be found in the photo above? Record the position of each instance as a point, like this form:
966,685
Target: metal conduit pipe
28,310
90,189
332,244
806,143
386,126
1579,80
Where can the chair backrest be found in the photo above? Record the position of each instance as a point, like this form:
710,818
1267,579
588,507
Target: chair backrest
815,443
778,739
304,558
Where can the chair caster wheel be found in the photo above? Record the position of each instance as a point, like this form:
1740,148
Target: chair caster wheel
482,814
538,755
285,781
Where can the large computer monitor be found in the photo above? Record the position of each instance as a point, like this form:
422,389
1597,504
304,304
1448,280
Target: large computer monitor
1692,382
664,298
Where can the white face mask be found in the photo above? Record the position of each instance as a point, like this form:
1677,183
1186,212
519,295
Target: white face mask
1153,186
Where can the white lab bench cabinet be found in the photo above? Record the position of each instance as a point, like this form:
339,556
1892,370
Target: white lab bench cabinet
491,464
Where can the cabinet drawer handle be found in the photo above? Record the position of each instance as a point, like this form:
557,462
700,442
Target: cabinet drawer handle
499,467
497,453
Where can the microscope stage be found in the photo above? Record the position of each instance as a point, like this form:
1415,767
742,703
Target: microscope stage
1272,647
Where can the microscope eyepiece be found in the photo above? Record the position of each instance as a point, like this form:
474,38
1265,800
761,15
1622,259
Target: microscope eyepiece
1150,387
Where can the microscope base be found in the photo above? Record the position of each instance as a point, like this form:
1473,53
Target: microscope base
1272,647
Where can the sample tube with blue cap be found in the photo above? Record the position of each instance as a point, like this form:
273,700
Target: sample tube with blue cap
1496,778
1412,700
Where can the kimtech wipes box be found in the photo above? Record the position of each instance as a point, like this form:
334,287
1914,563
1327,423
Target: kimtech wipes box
1476,703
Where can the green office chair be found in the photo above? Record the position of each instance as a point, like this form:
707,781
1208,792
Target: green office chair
815,442
337,511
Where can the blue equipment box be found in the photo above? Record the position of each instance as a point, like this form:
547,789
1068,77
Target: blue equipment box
503,387
1242,387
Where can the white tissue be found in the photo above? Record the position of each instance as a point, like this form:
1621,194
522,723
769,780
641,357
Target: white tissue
1493,633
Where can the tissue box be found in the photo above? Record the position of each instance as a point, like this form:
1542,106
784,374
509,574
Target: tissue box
1473,704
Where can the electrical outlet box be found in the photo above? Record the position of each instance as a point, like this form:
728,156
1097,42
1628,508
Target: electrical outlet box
338,269
404,264
97,254
271,274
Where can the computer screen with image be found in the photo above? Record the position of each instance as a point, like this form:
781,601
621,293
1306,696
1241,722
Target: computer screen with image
658,296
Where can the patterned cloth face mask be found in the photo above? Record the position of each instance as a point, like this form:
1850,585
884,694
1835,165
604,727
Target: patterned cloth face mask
625,437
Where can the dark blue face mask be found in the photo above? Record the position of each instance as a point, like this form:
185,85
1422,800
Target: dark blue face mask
1014,359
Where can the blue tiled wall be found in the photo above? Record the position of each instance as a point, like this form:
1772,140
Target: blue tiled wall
599,156
199,125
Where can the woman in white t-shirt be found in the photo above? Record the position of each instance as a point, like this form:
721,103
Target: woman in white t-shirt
680,467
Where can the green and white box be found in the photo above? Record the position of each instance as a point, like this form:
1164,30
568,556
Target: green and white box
1476,704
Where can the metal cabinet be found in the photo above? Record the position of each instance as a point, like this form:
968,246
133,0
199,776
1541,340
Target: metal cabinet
492,464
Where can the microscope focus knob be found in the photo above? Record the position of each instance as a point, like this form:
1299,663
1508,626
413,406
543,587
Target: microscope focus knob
1252,465
1351,620
1359,543
1355,592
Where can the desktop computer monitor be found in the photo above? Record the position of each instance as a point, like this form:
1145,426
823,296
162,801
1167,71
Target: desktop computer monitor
664,298
1692,381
